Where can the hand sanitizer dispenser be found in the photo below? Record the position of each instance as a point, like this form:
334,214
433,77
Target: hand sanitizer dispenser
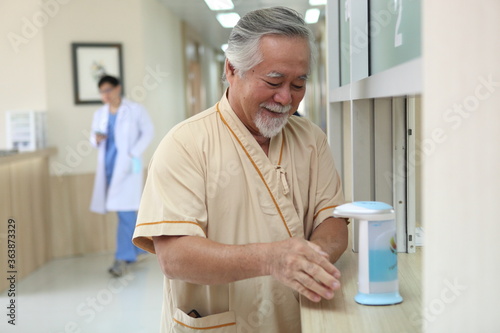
378,261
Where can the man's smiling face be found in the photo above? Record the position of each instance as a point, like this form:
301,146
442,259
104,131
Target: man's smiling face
270,92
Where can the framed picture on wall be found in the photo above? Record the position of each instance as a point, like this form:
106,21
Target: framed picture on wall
90,62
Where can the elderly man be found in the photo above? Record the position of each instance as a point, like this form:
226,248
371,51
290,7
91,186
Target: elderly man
238,201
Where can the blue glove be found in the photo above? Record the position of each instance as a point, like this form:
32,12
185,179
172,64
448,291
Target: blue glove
136,165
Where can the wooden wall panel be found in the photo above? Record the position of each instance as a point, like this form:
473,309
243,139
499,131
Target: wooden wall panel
97,231
5,214
62,229
39,197
20,180
75,229
24,198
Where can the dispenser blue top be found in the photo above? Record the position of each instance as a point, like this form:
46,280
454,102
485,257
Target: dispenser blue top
365,210
373,205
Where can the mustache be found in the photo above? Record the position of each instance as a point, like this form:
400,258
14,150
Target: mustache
276,107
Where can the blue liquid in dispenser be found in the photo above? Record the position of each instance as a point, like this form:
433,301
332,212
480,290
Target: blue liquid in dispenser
383,260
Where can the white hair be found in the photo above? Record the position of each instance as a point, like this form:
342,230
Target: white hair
243,51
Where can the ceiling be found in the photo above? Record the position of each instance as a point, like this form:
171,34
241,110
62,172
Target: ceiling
201,19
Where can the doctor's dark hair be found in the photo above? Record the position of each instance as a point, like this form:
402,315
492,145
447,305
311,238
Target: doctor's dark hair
108,79
243,51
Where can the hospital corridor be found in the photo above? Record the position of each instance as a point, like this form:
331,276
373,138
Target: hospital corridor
250,166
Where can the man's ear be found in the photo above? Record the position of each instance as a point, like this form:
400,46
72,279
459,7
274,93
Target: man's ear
230,71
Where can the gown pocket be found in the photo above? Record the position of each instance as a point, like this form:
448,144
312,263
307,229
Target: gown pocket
224,322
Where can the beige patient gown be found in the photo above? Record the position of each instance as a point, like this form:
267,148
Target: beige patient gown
210,178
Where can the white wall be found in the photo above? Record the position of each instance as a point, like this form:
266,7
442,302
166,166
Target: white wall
460,174
22,70
163,54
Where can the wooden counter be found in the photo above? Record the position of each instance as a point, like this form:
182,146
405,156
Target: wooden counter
26,156
342,314
24,212
51,213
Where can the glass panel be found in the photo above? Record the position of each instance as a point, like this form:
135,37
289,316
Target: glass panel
395,35
345,41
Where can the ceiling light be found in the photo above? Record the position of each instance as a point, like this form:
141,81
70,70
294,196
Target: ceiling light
219,4
312,15
317,2
228,20
224,47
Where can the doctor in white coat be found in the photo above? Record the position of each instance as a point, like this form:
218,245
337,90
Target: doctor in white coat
121,130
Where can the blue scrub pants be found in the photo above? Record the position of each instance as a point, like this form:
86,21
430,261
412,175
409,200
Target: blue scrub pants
125,249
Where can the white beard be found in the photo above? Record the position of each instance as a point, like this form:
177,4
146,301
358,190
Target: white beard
269,126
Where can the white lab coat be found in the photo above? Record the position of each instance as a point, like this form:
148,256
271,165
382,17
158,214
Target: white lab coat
133,132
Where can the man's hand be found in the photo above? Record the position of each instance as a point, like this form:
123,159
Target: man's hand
303,266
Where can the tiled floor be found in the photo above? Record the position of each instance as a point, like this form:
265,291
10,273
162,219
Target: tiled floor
78,295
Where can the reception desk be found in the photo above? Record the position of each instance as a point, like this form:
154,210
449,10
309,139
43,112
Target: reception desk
48,215
24,212
342,314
